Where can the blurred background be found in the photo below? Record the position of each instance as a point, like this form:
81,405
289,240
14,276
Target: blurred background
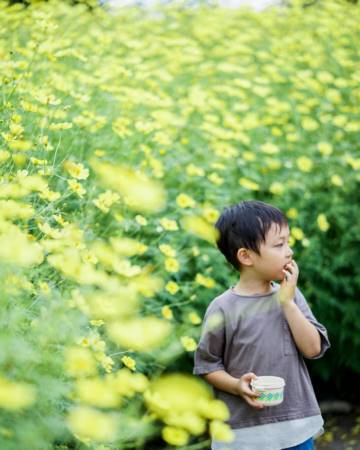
126,128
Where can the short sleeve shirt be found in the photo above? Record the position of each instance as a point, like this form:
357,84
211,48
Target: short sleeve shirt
243,334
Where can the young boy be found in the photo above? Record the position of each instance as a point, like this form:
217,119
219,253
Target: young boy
259,327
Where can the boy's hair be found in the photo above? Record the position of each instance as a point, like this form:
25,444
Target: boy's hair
245,225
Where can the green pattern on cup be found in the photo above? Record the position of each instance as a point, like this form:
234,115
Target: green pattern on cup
269,397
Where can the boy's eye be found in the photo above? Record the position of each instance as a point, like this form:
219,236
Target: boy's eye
280,245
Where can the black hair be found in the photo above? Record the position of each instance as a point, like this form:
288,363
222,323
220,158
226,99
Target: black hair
245,225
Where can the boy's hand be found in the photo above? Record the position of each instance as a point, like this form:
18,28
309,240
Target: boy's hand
288,284
245,391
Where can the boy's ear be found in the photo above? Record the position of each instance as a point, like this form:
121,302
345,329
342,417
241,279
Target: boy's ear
244,257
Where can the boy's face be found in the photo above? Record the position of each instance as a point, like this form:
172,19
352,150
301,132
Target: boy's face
275,253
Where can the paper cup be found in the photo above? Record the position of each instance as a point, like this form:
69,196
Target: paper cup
271,389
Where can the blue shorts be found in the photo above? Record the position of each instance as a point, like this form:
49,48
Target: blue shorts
307,445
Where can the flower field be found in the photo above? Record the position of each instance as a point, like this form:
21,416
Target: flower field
122,137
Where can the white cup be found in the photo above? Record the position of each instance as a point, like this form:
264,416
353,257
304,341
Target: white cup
271,389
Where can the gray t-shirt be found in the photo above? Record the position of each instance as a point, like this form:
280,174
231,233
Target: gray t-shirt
243,334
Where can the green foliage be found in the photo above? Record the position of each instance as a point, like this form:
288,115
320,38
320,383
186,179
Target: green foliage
105,117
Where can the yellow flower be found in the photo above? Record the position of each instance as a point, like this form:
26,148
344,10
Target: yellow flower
277,188
297,233
292,137
167,313
79,362
273,164
325,77
45,288
195,250
340,120
175,436
184,201
276,131
77,171
15,395
97,392
169,224
17,248
248,184
309,124
4,155
194,318
172,265
269,148
333,95
192,170
304,164
189,421
204,281
141,220
305,242
354,163
139,334
188,343
49,195
16,129
89,257
88,423
214,409
175,393
106,362
76,187
214,178
38,162
172,287
129,362
221,431
126,383
138,191
20,145
127,246
210,214
106,200
322,222
292,213
336,180
120,218
11,209
200,227
167,250
120,126
325,148
97,323
60,126
19,159
248,156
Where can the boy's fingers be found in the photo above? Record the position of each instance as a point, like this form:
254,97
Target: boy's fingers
254,403
251,393
254,394
249,376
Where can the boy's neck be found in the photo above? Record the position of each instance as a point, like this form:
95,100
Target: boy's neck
252,287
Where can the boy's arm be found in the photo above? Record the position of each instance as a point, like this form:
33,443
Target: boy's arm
208,359
223,380
209,353
236,386
309,335
305,335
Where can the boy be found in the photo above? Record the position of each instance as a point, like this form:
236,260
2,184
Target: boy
259,327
